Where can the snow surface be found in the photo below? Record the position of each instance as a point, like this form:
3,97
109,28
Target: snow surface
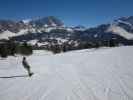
6,34
95,74
22,32
61,40
32,42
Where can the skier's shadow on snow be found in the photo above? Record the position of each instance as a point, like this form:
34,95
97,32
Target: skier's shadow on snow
15,76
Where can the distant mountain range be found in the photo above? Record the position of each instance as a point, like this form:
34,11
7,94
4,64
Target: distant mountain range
52,31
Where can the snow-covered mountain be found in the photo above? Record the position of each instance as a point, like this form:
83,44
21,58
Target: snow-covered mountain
51,30
91,74
46,22
123,27
37,25
12,26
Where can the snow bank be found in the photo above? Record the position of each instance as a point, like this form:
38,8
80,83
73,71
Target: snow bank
96,74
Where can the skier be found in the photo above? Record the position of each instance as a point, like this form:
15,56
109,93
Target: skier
27,66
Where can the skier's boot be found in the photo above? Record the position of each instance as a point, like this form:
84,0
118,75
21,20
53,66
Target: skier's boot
30,74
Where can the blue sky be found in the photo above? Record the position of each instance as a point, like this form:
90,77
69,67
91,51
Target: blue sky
72,12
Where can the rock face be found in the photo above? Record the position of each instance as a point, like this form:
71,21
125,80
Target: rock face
16,26
47,21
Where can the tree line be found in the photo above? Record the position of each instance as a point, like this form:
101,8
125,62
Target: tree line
8,48
55,47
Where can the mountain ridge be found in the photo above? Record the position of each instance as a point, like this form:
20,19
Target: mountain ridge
52,31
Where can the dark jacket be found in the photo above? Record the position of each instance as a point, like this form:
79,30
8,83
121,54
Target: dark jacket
25,64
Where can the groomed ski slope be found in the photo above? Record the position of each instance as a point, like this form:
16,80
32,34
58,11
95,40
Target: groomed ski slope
95,74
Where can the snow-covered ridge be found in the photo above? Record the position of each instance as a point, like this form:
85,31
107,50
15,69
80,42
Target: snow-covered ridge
6,34
95,74
26,21
30,25
122,27
120,31
124,22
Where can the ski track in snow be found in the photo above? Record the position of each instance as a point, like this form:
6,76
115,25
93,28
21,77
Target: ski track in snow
95,74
